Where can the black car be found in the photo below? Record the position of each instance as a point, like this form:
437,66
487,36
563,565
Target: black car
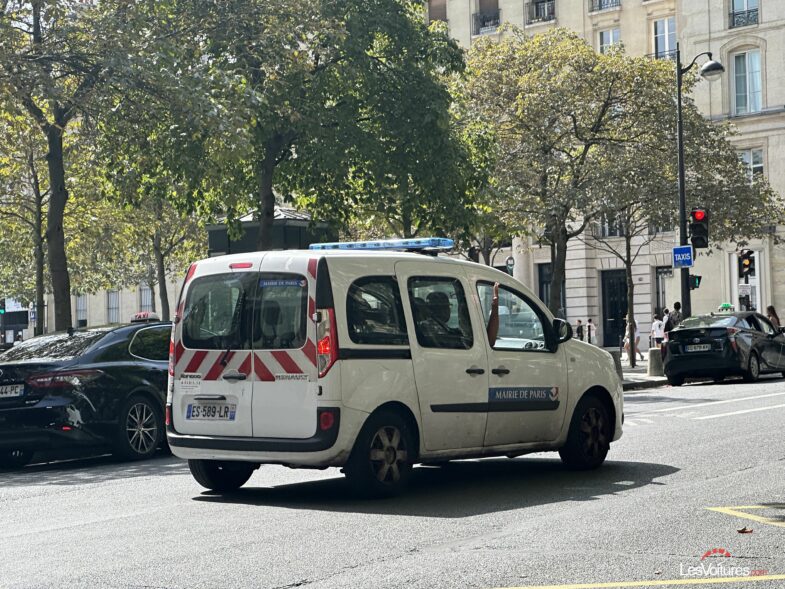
92,387
742,344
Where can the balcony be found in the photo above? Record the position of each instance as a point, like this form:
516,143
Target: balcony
486,23
597,5
743,18
537,12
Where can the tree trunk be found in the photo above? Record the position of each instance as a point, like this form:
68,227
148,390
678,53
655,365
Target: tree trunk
160,270
630,301
55,237
38,241
264,181
558,263
486,249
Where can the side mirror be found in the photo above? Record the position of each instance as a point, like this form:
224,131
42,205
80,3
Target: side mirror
562,329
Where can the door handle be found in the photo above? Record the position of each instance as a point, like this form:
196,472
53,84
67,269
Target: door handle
234,376
475,371
501,371
209,398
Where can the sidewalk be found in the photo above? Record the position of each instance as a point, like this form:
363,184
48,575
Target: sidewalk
636,378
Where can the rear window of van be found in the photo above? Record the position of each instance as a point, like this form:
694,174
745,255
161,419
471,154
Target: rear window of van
240,311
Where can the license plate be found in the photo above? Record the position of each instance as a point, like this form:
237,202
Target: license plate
211,411
11,390
699,348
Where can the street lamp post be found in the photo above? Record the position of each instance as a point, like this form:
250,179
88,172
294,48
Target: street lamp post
711,71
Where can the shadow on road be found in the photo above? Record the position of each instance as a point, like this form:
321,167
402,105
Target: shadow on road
461,489
640,399
95,469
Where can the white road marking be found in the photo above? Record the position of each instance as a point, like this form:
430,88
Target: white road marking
645,420
630,423
710,403
739,412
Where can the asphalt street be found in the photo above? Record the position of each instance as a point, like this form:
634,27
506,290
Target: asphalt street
644,517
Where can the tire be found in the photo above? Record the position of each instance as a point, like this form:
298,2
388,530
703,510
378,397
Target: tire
675,381
381,461
14,459
140,429
221,475
589,438
753,369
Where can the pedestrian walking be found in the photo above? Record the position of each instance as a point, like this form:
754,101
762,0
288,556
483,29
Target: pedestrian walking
590,331
627,339
579,330
773,317
658,330
674,318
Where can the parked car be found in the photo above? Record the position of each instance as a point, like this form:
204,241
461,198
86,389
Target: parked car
93,387
721,345
375,361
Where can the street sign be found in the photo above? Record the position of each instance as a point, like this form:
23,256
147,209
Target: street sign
745,290
683,256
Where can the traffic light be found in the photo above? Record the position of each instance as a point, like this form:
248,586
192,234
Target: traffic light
695,281
699,228
746,263
2,306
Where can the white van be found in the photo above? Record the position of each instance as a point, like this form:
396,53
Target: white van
374,361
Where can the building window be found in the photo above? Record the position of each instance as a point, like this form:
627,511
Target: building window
113,306
611,226
608,39
743,13
488,19
753,161
747,82
437,10
540,11
81,310
544,287
665,38
145,298
595,5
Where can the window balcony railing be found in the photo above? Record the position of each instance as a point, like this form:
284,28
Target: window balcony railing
743,18
486,23
597,5
537,12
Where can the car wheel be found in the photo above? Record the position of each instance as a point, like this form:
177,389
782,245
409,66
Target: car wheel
753,369
221,475
140,430
380,464
589,438
12,459
675,381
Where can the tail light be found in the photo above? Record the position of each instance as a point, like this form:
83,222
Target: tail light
326,420
63,379
326,340
168,415
732,331
172,359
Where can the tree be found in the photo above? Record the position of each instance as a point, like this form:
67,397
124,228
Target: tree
54,56
558,111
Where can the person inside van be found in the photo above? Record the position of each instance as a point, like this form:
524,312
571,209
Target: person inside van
493,319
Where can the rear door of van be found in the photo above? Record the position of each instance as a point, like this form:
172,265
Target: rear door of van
284,335
212,360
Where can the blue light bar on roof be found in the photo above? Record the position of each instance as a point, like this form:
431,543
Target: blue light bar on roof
424,243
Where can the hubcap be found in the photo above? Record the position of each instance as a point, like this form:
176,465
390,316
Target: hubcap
593,428
754,367
388,452
141,428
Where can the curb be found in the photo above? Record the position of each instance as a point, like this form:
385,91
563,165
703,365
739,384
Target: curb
644,384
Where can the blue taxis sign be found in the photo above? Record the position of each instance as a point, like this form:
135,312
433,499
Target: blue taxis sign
683,256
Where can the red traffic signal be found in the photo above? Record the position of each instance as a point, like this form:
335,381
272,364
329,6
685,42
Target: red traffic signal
699,228
698,215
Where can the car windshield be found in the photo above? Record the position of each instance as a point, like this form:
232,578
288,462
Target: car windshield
710,321
58,346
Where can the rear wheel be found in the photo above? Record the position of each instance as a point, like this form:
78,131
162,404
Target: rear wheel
221,475
675,381
381,461
753,369
140,430
589,438
11,459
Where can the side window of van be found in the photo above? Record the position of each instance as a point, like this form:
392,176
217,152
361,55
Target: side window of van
441,315
280,312
520,327
216,312
375,313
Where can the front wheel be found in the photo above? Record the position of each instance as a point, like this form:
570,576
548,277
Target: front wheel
13,459
753,369
589,438
141,428
221,475
675,381
381,461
